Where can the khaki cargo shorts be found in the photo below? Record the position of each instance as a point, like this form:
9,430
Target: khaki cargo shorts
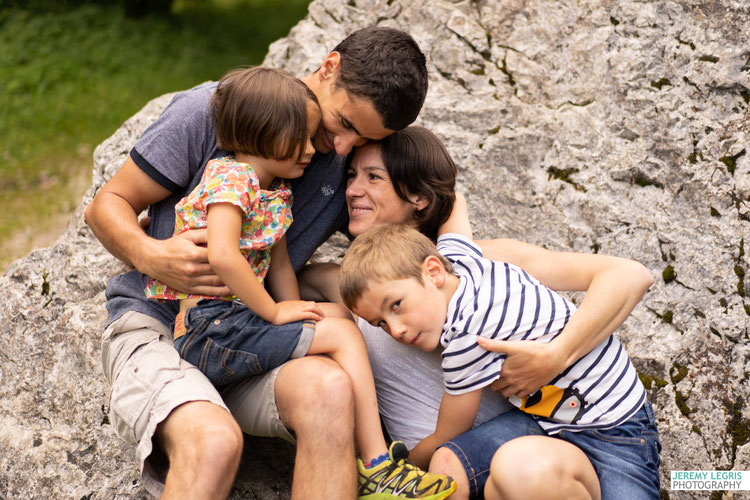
148,380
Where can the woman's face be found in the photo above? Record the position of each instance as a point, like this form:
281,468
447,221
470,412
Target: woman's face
370,196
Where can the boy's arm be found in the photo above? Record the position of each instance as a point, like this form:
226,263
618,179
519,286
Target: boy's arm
179,262
456,416
224,229
280,279
613,286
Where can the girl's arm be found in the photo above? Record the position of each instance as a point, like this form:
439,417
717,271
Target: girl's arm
613,286
224,229
456,416
280,279
458,221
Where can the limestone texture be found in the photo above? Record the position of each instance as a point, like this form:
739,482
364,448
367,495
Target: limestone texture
617,127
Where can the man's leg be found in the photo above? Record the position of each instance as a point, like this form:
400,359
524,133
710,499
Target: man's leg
160,399
311,397
315,400
203,443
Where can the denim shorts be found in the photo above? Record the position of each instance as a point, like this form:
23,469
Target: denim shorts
227,341
626,457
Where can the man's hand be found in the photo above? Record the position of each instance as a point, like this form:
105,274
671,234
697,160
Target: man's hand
529,365
296,310
182,263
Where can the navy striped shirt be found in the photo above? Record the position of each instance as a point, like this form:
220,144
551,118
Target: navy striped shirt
501,301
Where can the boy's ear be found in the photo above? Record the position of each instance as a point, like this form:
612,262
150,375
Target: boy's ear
330,67
433,270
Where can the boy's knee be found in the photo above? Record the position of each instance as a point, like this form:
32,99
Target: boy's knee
444,461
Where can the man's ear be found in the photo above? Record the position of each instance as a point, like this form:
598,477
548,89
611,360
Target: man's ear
330,67
433,270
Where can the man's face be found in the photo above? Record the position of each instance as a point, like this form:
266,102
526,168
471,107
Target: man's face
346,121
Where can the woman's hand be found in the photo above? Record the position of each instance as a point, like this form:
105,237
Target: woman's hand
528,367
289,311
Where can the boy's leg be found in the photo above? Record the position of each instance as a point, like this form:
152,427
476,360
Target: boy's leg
151,386
626,458
312,398
543,468
468,457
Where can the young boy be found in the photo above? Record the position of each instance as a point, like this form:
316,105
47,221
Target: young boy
448,295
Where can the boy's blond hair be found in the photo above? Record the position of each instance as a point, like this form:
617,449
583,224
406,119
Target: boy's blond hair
382,253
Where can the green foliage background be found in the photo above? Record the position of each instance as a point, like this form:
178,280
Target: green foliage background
72,72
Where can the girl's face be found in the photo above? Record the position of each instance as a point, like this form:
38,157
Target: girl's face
268,169
370,196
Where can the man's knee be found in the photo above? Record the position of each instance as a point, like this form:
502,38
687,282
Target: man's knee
199,433
312,389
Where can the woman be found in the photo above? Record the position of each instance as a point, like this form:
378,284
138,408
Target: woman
410,178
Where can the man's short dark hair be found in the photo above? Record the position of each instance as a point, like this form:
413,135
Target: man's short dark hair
386,66
263,112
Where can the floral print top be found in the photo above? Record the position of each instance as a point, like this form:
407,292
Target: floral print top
267,216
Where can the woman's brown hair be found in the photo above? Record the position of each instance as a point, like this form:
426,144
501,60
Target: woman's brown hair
419,164
262,112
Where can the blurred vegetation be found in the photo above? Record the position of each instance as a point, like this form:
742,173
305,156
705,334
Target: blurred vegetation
73,71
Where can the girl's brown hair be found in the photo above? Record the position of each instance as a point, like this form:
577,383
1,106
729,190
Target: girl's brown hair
262,112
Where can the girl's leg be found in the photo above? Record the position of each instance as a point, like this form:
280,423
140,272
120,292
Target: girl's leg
341,340
541,467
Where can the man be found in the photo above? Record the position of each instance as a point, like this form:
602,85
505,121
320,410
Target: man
160,402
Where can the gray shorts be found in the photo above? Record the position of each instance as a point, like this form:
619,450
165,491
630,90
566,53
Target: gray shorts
148,380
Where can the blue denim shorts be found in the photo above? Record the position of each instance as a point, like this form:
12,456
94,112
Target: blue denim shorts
227,341
626,458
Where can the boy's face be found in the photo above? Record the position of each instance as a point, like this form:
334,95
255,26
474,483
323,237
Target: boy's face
411,312
346,120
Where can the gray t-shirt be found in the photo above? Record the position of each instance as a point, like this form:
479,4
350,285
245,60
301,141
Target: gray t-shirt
174,150
409,386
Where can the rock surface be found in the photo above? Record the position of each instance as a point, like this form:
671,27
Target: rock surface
618,127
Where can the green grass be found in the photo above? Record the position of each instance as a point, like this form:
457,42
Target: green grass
69,80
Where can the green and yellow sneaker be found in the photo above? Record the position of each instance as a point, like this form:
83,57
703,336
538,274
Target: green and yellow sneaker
400,478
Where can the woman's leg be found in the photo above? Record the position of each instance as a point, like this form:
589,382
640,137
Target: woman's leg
541,467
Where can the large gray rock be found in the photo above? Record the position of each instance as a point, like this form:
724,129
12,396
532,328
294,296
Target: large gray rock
618,127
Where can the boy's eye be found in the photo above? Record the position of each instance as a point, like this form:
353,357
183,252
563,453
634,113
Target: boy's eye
382,324
395,305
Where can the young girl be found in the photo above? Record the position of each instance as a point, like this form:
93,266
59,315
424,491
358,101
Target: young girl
267,118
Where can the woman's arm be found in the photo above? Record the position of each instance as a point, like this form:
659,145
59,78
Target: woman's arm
224,229
613,286
456,416
320,282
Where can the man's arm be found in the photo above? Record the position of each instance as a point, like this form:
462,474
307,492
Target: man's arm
613,286
456,416
178,261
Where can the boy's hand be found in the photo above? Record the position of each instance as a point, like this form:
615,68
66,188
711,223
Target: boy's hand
529,365
296,310
182,263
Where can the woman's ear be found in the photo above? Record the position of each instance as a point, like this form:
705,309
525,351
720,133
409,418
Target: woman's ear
433,270
419,201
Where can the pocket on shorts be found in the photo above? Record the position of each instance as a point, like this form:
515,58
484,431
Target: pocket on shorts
224,366
137,387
